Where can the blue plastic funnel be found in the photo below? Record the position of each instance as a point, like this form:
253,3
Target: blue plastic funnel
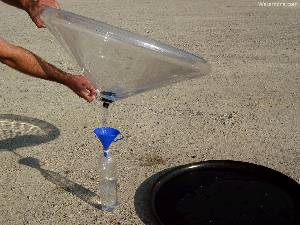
107,135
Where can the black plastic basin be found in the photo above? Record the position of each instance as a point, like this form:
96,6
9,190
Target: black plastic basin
225,193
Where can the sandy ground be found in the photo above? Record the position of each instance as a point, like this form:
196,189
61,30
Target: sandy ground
247,109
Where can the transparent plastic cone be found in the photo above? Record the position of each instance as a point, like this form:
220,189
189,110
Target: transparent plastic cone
118,62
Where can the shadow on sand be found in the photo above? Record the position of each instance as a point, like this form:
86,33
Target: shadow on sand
21,131
75,189
142,198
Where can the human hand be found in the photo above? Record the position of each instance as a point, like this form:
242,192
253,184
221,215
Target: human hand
82,87
36,7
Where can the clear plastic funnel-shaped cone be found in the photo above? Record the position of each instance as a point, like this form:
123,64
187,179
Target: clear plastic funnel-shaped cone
118,62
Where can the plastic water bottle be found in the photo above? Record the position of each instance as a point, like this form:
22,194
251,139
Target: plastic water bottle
108,182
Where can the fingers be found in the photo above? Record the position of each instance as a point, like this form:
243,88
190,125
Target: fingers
35,14
50,3
91,89
88,92
82,87
57,5
38,7
39,23
86,95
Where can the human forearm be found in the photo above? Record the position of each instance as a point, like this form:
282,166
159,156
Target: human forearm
29,63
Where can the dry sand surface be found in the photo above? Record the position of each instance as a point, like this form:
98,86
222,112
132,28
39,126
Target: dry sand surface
247,108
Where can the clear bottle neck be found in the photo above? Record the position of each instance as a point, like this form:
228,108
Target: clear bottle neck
106,154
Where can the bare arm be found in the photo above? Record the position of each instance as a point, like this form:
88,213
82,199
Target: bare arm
29,63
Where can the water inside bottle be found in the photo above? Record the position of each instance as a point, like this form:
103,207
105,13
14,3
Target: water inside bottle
108,193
